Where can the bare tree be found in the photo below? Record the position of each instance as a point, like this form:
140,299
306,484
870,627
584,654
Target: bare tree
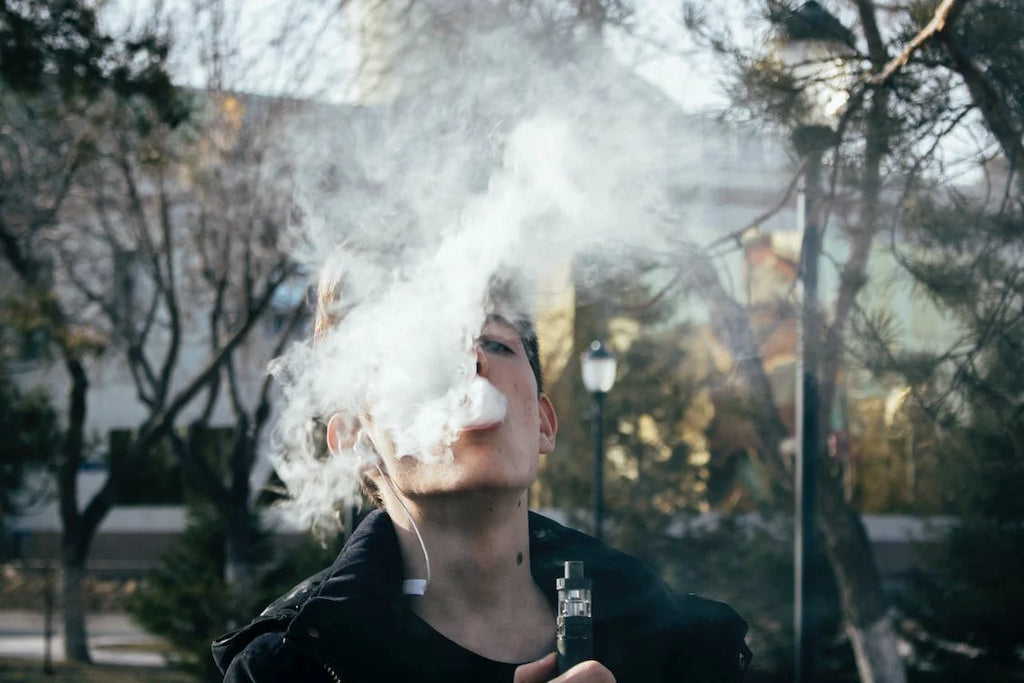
61,78
152,246
131,275
172,253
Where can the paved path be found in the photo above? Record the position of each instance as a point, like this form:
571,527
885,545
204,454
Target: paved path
21,635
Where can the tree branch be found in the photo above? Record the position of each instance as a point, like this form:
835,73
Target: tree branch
869,21
852,277
732,325
737,236
170,293
160,423
944,15
987,98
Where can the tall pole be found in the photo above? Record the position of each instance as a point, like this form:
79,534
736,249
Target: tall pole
597,368
805,550
597,430
812,42
48,572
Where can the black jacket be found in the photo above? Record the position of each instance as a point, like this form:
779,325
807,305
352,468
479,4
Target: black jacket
350,622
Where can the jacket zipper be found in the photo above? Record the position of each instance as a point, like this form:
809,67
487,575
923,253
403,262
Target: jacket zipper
332,673
327,667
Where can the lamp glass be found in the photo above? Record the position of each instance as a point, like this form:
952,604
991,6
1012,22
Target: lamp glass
822,69
598,369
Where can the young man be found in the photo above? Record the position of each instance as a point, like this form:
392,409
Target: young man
488,611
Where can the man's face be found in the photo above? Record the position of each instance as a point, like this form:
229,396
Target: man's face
502,456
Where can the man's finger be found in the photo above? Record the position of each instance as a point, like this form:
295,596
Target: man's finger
540,671
589,671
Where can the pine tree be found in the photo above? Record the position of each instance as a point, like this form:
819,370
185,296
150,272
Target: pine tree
967,258
33,437
187,601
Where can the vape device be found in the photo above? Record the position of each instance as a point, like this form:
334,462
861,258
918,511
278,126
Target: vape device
575,641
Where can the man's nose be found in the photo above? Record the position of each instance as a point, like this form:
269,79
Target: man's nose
481,362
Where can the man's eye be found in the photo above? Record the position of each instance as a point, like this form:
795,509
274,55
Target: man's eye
494,346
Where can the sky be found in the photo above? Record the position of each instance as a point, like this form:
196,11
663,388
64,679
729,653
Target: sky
306,48
684,72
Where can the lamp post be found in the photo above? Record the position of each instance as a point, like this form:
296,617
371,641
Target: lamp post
813,42
598,370
805,604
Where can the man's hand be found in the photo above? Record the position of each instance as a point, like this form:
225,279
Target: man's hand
542,671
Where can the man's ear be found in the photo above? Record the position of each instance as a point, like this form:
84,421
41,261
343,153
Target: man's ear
548,424
341,433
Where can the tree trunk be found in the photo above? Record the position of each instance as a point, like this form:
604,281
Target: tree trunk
238,569
73,608
862,600
76,531
846,542
865,613
238,572
986,97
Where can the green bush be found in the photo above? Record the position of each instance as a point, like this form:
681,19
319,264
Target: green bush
188,602
32,439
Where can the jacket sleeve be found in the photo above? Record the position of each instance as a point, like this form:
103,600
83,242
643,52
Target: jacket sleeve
715,649
271,659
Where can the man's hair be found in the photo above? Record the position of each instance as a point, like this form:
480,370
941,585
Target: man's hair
329,314
528,335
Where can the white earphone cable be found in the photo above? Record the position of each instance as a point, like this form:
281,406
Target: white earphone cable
409,586
367,454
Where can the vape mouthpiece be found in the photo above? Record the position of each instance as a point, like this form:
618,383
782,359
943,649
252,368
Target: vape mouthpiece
575,637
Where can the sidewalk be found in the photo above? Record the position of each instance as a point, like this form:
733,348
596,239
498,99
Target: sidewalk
112,639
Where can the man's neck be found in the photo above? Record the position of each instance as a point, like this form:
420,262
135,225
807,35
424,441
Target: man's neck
478,543
481,593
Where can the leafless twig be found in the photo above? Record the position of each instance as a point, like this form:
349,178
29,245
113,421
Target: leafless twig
945,13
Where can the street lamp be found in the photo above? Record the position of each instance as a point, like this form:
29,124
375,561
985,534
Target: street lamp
598,369
813,45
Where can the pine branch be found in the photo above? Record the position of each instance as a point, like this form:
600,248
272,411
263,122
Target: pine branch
944,15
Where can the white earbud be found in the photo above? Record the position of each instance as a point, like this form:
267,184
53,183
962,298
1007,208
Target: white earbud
364,450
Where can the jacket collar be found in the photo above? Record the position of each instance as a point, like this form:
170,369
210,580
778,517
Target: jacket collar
358,600
363,577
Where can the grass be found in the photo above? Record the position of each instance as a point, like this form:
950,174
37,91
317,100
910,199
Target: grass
23,670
